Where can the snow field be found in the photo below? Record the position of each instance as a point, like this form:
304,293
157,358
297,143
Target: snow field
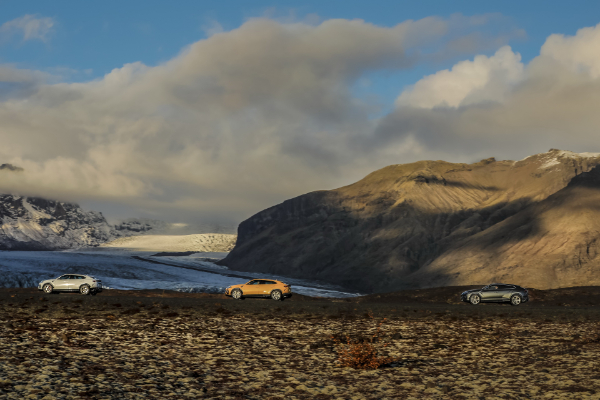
204,242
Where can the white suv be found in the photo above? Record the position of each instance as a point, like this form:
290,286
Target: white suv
83,284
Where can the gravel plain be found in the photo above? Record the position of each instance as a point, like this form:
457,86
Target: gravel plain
168,345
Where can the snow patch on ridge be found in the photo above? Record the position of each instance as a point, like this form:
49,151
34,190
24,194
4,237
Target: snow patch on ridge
553,157
35,214
570,154
563,153
551,162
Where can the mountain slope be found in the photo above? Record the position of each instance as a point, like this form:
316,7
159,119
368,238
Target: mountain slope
39,224
386,231
554,243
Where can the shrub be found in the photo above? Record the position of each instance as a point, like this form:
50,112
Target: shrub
361,353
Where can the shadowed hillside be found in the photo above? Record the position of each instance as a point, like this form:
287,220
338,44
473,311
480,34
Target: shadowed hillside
435,223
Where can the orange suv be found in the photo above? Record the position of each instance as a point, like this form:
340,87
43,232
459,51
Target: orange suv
260,288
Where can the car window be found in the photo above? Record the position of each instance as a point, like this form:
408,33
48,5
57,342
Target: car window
252,283
268,282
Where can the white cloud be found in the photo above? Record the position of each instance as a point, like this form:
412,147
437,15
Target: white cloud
31,27
247,118
497,106
212,27
235,123
580,53
469,82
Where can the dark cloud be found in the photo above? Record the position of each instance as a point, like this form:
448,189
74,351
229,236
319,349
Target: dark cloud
10,167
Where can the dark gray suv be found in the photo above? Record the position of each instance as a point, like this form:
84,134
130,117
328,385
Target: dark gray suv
496,293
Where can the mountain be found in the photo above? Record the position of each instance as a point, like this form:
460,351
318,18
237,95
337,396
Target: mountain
434,223
551,244
32,223
141,226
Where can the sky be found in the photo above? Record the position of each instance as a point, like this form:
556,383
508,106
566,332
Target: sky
211,111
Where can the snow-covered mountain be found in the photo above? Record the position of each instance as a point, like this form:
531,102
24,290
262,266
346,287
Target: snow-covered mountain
33,223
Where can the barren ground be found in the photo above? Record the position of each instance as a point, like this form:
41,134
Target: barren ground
154,344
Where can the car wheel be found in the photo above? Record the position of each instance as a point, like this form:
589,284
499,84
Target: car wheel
47,288
84,290
236,294
515,300
276,295
475,299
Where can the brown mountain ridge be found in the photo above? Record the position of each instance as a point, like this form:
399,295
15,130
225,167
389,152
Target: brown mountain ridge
534,222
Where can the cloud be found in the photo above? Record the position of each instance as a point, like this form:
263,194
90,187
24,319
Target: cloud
235,123
468,82
10,167
212,27
498,106
575,52
31,27
20,83
246,118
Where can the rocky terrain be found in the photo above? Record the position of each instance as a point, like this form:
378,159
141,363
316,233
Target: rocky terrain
31,223
152,344
533,222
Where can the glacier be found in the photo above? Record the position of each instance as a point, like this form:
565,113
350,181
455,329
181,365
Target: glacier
129,270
